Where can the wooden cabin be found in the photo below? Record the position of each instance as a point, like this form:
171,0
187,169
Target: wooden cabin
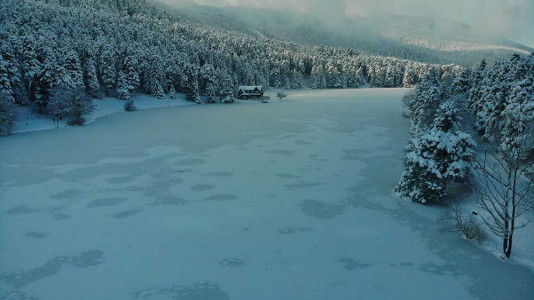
251,91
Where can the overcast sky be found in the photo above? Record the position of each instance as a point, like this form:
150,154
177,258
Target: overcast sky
513,18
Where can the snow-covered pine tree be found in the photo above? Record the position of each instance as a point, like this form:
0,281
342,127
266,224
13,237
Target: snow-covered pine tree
11,78
489,115
426,100
478,74
59,106
42,84
314,77
80,104
389,80
31,66
131,73
172,92
123,86
410,77
296,80
74,70
190,84
462,83
156,89
359,77
108,71
438,157
92,86
447,118
7,114
445,84
226,92
518,118
5,81
208,82
333,76
90,75
274,77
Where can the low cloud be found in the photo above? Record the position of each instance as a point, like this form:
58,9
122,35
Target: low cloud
504,18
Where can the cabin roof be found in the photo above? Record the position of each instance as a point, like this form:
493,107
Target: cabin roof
250,87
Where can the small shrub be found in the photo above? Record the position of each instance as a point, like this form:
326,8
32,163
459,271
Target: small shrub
129,106
455,220
79,121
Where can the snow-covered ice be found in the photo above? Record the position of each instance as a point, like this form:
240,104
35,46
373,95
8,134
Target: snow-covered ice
286,200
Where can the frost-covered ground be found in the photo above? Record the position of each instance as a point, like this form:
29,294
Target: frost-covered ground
286,200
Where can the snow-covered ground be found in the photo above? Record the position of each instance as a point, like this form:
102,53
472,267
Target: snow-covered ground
27,120
286,200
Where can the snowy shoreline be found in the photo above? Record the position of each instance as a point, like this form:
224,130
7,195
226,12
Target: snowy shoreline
29,121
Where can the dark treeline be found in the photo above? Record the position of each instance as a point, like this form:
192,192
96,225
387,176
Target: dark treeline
119,47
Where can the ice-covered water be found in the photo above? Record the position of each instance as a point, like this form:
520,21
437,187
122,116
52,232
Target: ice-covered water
286,200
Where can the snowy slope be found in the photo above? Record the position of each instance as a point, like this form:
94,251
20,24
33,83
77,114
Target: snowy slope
285,200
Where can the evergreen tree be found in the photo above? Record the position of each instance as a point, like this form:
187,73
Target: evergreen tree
92,86
190,85
41,86
156,89
72,103
80,104
30,64
462,83
5,81
426,100
59,106
131,73
208,82
410,77
447,119
518,118
296,80
389,80
108,71
123,86
7,114
74,70
478,74
438,157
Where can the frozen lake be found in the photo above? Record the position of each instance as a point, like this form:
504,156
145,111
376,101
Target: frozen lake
286,200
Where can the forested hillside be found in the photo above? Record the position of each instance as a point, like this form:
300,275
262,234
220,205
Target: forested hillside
117,48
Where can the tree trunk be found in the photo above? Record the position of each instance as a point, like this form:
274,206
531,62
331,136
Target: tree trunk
508,250
506,236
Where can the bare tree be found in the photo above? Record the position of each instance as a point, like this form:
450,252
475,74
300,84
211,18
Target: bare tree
504,192
453,219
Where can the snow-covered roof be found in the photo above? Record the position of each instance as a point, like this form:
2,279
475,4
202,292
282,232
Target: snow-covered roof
250,87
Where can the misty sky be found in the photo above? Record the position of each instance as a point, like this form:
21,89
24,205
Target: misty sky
512,18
